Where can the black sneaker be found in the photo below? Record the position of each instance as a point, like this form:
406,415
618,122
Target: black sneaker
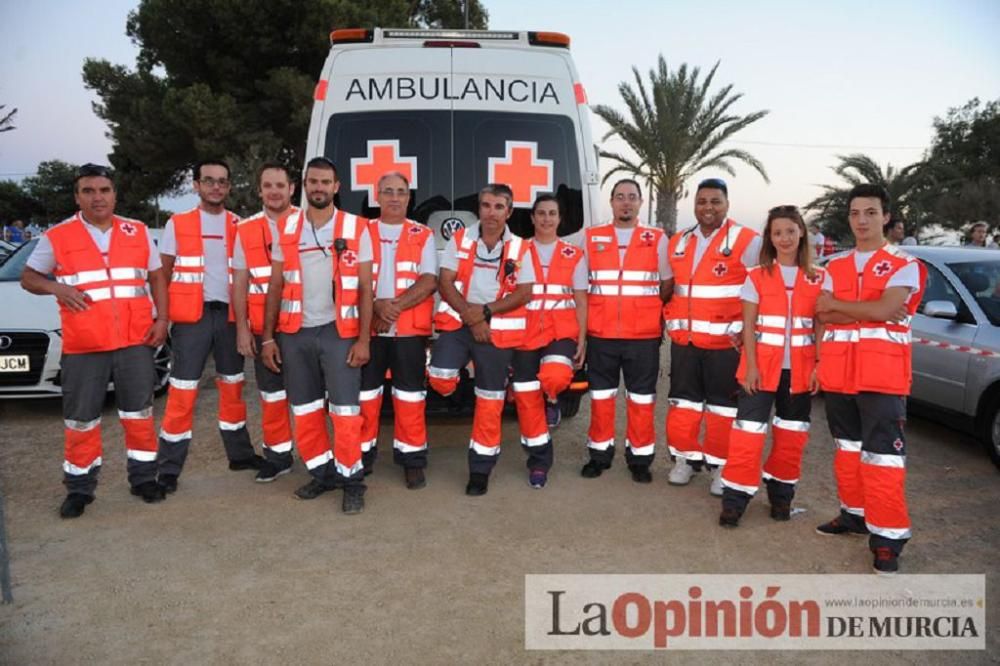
311,490
781,511
593,469
478,484
886,561
641,473
414,477
253,462
74,505
838,526
729,518
168,482
354,500
149,491
553,414
268,472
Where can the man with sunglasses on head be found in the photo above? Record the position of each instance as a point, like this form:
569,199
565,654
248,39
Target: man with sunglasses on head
404,271
197,250
102,264
485,284
704,320
629,281
251,277
320,301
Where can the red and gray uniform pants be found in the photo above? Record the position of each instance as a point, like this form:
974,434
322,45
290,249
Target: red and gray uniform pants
540,375
276,422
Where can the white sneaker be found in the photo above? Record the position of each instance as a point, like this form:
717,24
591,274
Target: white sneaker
681,474
716,487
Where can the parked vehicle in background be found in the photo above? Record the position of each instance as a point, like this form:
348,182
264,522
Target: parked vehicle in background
6,249
31,338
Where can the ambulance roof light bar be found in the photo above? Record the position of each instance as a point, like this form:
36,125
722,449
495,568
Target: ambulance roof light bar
450,34
467,38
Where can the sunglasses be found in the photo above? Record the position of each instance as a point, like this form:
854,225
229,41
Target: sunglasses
93,170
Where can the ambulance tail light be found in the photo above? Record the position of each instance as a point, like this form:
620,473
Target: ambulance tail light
351,36
548,39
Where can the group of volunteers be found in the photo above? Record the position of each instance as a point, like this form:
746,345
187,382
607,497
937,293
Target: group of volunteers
329,305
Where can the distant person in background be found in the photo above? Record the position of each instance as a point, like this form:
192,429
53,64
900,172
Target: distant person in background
15,232
978,234
895,231
816,238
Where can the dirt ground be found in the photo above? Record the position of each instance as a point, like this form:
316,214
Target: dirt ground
228,571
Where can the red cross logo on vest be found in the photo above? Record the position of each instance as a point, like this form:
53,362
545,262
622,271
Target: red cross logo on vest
646,236
349,258
383,156
522,170
127,228
882,267
815,279
719,269
569,252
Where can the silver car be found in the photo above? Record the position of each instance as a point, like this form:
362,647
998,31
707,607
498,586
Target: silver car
956,342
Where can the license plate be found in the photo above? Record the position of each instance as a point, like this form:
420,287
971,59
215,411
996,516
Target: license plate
14,363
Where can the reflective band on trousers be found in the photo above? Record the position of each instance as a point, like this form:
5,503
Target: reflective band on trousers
883,459
140,456
600,446
72,469
749,490
442,373
640,398
82,426
345,410
174,437
772,477
232,426
556,358
184,384
785,424
370,394
273,396
850,445
307,408
231,379
321,459
403,447
484,450
603,394
645,450
708,290
141,414
681,403
526,387
898,533
490,395
409,396
752,427
721,410
539,440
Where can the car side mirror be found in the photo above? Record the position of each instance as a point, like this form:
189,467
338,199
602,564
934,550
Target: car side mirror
940,310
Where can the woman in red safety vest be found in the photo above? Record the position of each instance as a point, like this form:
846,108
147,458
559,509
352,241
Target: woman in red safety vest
777,367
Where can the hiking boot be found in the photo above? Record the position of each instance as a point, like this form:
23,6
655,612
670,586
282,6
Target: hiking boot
415,478
311,490
781,510
729,518
537,478
681,474
168,482
593,469
716,487
886,561
478,484
253,462
838,526
553,414
74,505
149,491
268,472
354,500
641,473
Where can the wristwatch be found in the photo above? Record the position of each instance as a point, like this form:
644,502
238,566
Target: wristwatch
487,313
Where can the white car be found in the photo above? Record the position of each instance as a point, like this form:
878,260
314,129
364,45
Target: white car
6,249
31,340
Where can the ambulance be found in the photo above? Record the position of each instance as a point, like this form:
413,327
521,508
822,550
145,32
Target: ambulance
454,110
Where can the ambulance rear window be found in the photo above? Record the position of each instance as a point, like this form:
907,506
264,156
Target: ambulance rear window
454,155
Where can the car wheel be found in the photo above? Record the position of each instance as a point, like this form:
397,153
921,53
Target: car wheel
990,431
161,365
569,404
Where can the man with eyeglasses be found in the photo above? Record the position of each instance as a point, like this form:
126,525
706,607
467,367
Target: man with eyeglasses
251,277
704,319
102,264
404,270
629,281
485,284
197,249
320,301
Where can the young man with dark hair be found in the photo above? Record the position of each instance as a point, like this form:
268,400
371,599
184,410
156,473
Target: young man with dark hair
869,296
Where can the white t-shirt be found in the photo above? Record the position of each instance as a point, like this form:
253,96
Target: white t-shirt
749,294
485,281
240,257
545,252
386,284
316,256
907,276
43,258
213,238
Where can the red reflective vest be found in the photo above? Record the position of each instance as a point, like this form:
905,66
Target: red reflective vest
551,312
773,314
409,250
624,296
187,282
347,227
254,236
867,356
705,309
120,312
506,330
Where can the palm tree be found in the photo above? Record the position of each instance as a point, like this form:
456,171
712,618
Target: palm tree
905,188
676,128
7,120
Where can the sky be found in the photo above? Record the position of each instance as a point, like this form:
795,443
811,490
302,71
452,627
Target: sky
837,78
